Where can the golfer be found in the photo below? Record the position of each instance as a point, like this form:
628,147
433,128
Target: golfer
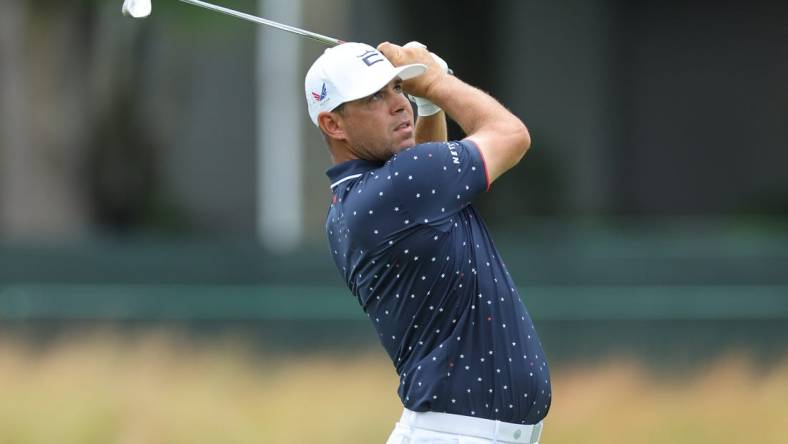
411,247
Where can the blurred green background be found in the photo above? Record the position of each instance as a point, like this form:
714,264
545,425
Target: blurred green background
163,270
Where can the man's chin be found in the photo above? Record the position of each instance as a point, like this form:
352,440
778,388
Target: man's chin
407,143
402,146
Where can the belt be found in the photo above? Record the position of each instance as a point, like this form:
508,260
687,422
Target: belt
497,431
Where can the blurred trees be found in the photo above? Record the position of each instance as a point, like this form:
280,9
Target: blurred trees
70,155
45,118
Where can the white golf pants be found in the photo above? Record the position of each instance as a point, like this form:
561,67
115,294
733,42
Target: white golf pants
445,428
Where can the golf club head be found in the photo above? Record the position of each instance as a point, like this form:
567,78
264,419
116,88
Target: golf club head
136,8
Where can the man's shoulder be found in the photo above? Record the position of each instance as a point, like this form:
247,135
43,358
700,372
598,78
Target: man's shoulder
365,191
449,151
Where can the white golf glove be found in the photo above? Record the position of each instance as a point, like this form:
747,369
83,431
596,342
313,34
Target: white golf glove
425,107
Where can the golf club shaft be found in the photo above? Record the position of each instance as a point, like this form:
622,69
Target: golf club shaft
253,18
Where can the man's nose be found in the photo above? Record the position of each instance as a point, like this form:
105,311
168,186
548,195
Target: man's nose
399,103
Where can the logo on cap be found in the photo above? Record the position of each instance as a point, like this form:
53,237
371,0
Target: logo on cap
371,57
321,96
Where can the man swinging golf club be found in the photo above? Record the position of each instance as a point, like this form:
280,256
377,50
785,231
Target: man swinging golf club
410,245
414,251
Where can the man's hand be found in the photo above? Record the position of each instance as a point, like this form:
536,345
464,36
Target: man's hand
425,107
420,85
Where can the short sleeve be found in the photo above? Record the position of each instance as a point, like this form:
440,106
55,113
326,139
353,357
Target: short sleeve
432,180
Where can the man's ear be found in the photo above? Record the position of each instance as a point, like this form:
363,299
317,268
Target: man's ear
332,125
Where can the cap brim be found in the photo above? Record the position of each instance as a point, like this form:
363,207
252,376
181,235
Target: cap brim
404,72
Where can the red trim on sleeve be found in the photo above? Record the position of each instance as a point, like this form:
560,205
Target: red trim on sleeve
484,162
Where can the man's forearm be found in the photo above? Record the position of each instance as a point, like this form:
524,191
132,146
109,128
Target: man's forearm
470,107
431,128
502,138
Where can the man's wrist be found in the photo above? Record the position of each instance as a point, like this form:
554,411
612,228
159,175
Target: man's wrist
434,88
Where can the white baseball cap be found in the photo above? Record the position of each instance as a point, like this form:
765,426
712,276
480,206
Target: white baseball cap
348,72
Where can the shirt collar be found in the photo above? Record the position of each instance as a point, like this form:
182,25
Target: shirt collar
349,170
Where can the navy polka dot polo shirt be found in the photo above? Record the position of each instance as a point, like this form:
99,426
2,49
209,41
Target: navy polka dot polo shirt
418,257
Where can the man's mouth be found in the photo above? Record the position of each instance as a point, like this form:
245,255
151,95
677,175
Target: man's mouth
403,126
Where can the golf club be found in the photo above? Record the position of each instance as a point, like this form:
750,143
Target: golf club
142,8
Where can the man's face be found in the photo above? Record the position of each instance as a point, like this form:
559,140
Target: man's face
380,125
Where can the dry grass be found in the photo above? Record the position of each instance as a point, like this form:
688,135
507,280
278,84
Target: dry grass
109,389
620,402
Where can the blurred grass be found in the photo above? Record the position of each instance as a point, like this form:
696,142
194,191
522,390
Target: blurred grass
161,389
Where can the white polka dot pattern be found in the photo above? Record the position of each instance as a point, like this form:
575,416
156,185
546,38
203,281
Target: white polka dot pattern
421,263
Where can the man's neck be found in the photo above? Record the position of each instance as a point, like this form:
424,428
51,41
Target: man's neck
341,156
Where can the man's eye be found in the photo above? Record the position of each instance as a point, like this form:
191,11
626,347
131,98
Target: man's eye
375,96
398,88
